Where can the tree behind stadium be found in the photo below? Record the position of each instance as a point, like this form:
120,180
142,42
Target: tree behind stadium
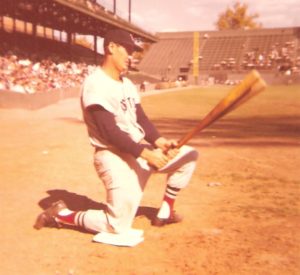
237,17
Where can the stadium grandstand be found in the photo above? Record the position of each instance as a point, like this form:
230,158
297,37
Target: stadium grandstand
224,54
41,51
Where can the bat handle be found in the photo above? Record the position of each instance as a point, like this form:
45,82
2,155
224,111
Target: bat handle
188,136
182,142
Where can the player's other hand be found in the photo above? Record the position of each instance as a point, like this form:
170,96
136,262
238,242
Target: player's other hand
155,158
166,144
172,153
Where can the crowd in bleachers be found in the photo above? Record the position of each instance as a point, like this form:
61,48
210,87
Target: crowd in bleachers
26,75
280,58
48,66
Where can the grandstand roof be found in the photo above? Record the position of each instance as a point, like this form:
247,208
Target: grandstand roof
70,16
224,33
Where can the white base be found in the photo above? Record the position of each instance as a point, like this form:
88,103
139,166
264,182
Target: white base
130,238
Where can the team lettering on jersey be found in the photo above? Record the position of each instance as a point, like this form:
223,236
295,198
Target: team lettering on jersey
126,103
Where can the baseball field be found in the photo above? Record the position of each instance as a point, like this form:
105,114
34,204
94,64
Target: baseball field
241,209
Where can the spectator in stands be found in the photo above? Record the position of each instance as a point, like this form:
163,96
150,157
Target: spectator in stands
142,87
17,86
3,84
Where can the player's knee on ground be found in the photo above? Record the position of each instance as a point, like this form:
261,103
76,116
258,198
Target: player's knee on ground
121,212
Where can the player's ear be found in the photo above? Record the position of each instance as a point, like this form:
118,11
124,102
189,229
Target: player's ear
111,47
108,48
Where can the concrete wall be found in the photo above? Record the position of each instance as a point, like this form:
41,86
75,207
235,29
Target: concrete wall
10,99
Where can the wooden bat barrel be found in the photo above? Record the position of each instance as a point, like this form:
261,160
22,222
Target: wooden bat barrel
251,85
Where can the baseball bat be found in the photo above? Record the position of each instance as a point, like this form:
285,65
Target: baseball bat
256,88
250,86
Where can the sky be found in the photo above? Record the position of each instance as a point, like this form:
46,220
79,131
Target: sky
200,15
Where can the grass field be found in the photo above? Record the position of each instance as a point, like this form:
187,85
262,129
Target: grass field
276,109
241,209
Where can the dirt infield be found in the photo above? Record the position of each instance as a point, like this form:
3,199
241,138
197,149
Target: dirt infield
242,210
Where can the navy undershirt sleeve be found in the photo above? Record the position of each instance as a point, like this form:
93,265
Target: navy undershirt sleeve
109,131
151,133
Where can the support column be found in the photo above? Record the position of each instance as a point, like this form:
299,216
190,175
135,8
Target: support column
69,41
95,49
129,11
115,7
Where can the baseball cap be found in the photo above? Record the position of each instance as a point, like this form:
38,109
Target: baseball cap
123,38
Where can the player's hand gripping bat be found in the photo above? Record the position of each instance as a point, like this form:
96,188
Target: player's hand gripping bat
250,86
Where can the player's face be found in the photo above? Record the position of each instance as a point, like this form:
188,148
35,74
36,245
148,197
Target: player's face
121,58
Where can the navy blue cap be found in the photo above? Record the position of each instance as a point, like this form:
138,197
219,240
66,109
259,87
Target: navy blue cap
123,38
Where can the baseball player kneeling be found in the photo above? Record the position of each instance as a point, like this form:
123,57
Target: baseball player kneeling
128,148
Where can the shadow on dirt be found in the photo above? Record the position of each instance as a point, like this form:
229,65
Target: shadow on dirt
73,201
250,131
77,202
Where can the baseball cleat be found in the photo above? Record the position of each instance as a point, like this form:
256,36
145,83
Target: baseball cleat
174,218
47,218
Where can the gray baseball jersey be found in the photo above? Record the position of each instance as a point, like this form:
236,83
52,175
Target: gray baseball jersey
117,97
